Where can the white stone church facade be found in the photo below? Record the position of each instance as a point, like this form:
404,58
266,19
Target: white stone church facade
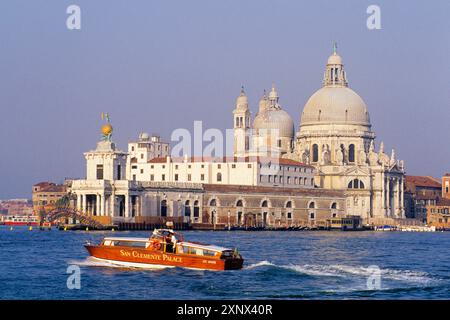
335,137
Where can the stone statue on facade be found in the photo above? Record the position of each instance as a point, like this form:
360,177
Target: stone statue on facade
339,156
326,158
373,156
362,157
305,156
383,157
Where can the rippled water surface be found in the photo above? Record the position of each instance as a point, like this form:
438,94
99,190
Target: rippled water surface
287,265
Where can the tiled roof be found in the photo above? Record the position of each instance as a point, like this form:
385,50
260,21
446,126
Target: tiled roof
281,161
423,181
443,202
272,190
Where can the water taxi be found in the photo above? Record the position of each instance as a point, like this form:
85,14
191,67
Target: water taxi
165,248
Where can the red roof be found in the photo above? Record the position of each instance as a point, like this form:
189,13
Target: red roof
281,161
443,202
423,181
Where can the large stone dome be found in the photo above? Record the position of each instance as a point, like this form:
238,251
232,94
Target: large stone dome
275,119
335,105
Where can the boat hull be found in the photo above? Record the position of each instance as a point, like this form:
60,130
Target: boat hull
140,257
16,223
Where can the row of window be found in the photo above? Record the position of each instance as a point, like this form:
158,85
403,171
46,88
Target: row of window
348,155
289,180
443,210
265,204
150,147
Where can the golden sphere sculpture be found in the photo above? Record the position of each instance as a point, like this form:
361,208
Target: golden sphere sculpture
107,129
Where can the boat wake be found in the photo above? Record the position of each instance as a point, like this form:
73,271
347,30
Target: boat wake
95,262
345,271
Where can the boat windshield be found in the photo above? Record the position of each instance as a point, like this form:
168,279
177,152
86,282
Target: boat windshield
164,234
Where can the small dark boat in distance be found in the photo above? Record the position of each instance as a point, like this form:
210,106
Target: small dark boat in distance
165,248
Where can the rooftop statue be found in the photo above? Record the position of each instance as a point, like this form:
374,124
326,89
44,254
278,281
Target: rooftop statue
107,128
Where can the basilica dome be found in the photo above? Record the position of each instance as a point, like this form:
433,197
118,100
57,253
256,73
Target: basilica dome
275,119
335,102
335,105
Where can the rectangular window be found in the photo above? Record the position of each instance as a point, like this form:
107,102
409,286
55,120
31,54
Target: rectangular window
233,166
176,177
189,177
119,172
142,170
163,177
99,172
202,177
219,166
249,165
142,156
176,167
152,177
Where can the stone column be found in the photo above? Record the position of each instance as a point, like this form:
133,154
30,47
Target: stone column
397,199
127,205
78,202
102,205
388,197
83,208
97,204
112,205
402,207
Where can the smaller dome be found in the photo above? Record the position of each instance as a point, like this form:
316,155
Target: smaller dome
144,136
334,59
263,103
242,100
275,119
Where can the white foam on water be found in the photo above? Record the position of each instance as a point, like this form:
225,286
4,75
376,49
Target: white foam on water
259,264
347,271
95,262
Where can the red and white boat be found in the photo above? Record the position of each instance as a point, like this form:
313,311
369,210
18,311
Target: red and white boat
20,220
165,248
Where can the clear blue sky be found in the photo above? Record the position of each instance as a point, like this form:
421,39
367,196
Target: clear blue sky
160,65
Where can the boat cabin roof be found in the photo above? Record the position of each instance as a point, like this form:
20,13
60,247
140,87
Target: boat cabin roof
204,246
127,239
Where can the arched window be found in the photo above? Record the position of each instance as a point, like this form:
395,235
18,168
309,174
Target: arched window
239,203
351,153
213,203
334,205
187,209
196,209
264,204
164,208
312,205
356,184
289,204
315,157
312,181
219,177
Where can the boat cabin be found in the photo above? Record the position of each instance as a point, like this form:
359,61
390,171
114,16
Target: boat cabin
162,240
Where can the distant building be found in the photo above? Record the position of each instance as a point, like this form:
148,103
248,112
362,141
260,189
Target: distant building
420,191
18,207
438,214
45,195
446,186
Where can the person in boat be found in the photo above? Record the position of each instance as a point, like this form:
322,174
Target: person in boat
174,241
